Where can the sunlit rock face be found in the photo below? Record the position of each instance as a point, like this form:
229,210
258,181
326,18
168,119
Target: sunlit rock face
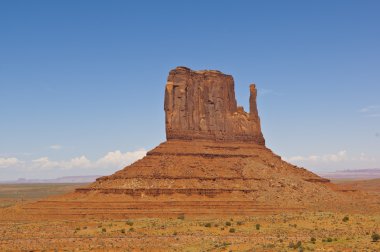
202,105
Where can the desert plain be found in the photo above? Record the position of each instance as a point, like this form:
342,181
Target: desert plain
287,231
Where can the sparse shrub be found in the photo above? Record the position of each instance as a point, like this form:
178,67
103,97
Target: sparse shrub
208,224
131,229
232,230
313,240
291,245
104,230
329,239
175,233
216,225
129,223
258,226
181,217
239,223
225,244
84,227
269,245
295,245
228,223
77,229
345,218
123,231
298,244
375,237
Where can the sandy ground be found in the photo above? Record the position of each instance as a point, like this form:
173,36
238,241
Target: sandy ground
304,230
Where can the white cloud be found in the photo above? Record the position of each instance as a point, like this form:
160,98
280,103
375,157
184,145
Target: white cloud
112,160
8,162
336,157
365,157
42,163
371,111
55,147
369,108
119,159
77,162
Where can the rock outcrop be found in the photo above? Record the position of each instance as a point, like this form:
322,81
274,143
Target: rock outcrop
215,162
202,105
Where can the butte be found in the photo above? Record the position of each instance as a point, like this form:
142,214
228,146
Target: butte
214,162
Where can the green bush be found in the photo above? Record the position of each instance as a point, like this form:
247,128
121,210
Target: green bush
295,245
104,230
329,239
345,218
258,226
375,237
123,231
208,224
181,217
313,240
298,244
232,230
228,223
129,223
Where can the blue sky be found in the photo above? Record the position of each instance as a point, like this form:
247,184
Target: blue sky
82,82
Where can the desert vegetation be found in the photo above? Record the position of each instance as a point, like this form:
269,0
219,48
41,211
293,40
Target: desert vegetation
313,231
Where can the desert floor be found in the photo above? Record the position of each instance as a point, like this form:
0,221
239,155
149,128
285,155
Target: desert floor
303,231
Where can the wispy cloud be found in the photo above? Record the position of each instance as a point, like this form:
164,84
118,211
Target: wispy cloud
369,108
55,147
112,160
336,157
7,162
340,156
370,111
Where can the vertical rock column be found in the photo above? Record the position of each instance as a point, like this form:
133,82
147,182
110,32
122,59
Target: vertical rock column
202,105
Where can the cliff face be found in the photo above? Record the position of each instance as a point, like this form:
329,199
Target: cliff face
202,105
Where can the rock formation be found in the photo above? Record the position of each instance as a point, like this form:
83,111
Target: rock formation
202,105
214,162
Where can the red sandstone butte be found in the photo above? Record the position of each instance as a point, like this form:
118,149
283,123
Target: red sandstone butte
214,162
202,105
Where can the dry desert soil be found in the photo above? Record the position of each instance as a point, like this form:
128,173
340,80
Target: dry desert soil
301,230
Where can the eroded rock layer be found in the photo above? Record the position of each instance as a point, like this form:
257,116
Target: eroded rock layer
202,105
